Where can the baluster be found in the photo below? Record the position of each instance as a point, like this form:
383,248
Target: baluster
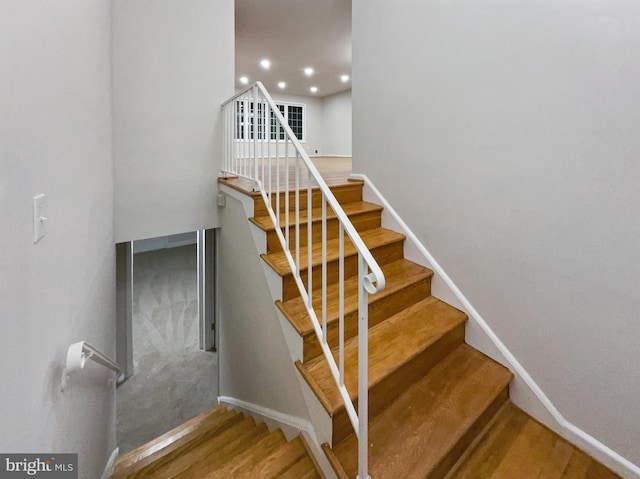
263,117
254,132
341,300
278,174
324,269
245,135
310,244
267,115
298,214
286,197
363,372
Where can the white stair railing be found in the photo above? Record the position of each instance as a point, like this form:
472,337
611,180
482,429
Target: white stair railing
260,145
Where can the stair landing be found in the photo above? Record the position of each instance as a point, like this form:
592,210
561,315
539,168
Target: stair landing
334,171
218,444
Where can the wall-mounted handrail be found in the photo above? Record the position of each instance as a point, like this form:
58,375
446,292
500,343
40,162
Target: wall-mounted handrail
79,352
77,356
257,146
464,304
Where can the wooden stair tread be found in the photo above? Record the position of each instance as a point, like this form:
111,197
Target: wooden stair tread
216,459
398,275
303,469
243,463
212,451
505,428
557,460
173,442
516,442
344,192
247,186
337,184
430,423
351,209
392,343
372,239
280,461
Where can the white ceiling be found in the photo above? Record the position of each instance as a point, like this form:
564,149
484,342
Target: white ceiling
294,34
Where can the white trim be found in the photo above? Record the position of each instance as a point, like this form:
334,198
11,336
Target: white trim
275,141
304,118
510,358
265,412
108,469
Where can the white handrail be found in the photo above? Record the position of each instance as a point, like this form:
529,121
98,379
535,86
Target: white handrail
376,275
77,356
253,127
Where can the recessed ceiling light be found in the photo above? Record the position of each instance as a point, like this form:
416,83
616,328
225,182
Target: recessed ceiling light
344,78
282,85
308,71
313,89
265,63
244,80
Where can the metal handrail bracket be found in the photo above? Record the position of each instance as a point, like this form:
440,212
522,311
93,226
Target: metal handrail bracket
77,356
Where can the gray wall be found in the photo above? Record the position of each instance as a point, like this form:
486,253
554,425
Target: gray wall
173,65
55,138
506,135
336,124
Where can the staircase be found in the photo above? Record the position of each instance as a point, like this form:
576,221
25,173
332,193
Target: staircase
437,407
404,396
219,444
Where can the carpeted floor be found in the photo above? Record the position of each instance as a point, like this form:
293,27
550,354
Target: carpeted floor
173,380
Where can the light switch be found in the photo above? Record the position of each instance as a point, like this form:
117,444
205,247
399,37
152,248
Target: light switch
39,219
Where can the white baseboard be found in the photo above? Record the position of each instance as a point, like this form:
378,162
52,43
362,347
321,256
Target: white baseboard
108,470
291,424
283,420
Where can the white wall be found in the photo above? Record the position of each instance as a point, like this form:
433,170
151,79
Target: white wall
254,361
336,124
55,138
506,135
173,65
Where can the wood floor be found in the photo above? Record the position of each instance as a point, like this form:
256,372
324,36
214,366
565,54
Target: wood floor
333,169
